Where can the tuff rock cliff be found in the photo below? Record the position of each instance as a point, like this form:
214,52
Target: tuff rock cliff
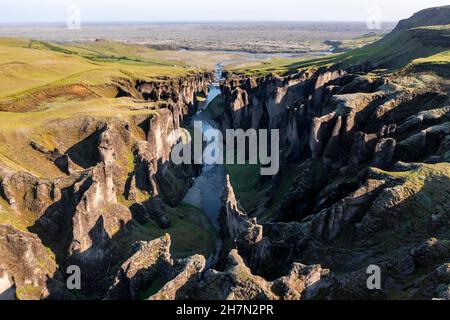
116,173
364,182
370,153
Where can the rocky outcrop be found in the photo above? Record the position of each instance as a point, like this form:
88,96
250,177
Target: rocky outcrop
234,222
303,282
334,116
62,161
141,269
328,223
152,272
259,245
180,93
27,193
188,270
155,172
237,282
96,220
298,203
28,270
115,169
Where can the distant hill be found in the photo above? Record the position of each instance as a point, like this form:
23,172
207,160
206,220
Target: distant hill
421,42
424,35
427,17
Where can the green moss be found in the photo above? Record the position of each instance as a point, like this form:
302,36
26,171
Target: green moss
216,108
28,292
154,288
395,51
425,192
284,66
44,65
7,216
191,232
245,179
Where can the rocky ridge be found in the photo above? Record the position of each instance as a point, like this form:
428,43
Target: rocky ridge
119,172
370,151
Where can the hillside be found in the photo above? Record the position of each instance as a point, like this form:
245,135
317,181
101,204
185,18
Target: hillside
427,17
34,72
415,41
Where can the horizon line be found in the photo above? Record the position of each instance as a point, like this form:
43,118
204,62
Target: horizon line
187,21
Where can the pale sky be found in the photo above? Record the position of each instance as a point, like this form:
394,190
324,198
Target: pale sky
211,10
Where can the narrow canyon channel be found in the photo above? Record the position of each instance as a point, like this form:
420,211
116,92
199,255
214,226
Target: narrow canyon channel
206,190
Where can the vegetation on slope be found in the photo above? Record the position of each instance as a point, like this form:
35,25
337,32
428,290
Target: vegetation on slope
191,232
355,43
400,48
39,71
414,39
61,84
215,108
106,51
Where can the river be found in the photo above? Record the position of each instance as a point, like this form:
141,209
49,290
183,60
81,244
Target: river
206,190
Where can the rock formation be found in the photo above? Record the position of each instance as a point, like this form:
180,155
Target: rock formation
370,152
28,270
117,173
152,272
364,182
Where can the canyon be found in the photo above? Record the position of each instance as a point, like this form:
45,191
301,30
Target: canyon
364,180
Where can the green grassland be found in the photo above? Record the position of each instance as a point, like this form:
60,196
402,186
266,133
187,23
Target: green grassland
284,66
25,68
439,58
215,108
250,190
355,43
107,51
191,232
399,49
44,84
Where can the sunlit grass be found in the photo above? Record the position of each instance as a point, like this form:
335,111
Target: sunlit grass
394,52
26,67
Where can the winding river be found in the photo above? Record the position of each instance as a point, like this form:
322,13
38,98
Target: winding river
206,190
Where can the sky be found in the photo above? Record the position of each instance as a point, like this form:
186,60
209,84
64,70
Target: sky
211,10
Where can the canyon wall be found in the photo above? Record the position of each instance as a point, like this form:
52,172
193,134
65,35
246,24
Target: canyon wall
118,171
357,140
